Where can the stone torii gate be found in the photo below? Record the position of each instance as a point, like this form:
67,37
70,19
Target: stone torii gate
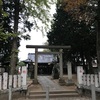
48,47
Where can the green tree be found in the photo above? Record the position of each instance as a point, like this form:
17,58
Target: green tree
5,38
85,10
21,11
98,35
65,30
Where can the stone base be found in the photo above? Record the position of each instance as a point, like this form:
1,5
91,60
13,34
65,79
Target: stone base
61,81
69,82
35,81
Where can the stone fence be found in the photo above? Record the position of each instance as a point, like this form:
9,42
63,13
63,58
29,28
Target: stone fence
16,82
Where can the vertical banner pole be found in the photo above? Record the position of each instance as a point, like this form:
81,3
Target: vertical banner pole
0,82
93,93
10,92
47,93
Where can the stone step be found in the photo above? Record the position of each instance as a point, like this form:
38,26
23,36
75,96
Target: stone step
53,94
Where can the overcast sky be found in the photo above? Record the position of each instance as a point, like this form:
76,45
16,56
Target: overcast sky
37,38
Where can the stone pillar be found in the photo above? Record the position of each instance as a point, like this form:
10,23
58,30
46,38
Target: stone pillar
36,66
80,72
69,71
61,80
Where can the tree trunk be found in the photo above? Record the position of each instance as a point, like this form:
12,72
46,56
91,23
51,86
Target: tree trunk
14,53
98,37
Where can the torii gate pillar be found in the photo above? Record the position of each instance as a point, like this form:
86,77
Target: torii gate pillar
61,64
36,66
61,80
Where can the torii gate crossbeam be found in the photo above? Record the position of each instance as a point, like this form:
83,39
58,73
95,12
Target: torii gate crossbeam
48,47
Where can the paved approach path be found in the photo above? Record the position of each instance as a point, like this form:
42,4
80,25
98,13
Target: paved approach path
46,82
